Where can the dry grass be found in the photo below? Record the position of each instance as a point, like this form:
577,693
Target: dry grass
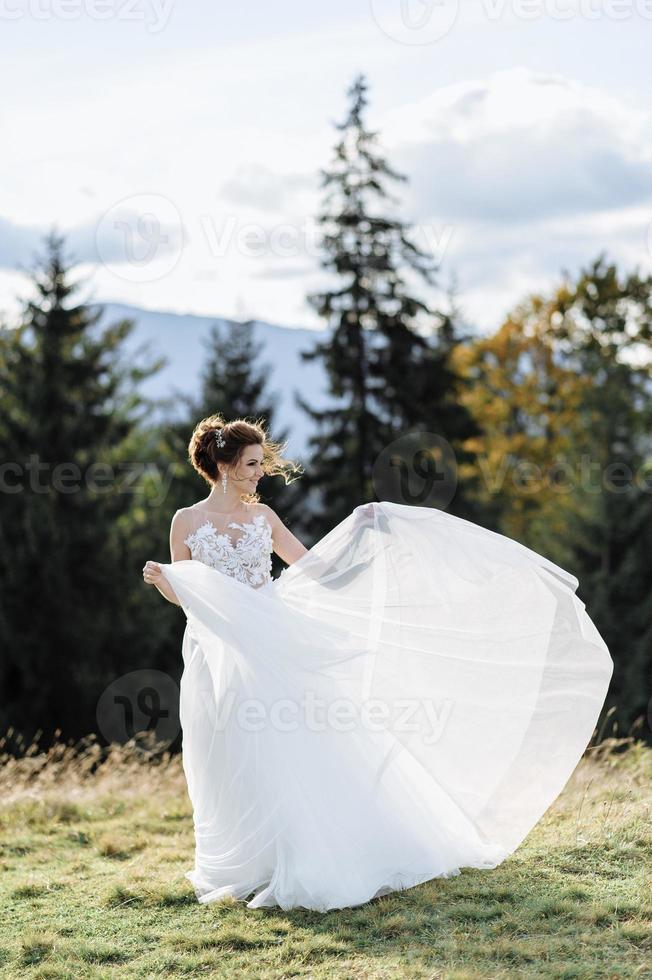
94,844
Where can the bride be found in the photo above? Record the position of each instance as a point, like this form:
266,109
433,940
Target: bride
406,699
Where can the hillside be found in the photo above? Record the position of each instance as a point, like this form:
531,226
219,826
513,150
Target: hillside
93,879
181,338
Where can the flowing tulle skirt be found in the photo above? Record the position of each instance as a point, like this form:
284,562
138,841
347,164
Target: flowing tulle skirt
404,701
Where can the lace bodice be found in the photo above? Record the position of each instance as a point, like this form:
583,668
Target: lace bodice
247,558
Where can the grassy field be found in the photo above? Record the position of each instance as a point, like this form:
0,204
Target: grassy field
93,886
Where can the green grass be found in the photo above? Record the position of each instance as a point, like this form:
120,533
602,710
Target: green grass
93,886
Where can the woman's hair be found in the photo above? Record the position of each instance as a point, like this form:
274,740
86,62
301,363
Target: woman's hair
205,455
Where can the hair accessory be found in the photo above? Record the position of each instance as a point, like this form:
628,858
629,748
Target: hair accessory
219,438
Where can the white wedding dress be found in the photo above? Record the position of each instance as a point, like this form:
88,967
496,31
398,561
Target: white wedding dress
405,700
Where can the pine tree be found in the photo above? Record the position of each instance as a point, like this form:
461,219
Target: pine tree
233,382
233,377
68,402
386,375
631,632
605,334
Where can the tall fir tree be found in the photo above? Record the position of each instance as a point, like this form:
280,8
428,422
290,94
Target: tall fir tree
234,382
604,329
233,375
68,403
387,374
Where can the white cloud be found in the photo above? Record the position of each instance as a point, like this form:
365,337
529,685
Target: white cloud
255,185
520,147
531,171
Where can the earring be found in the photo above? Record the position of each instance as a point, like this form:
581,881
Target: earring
224,483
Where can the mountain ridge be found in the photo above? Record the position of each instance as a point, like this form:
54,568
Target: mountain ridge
182,338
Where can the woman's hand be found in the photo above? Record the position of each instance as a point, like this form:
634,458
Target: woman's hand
152,573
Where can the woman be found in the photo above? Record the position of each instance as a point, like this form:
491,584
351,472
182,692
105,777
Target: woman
406,699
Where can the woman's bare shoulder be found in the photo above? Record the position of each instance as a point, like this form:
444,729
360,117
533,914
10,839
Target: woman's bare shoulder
269,513
265,509
186,518
181,518
183,513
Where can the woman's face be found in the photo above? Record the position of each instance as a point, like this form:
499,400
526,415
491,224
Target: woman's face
248,470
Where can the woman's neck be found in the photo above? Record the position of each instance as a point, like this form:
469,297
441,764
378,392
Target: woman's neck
227,505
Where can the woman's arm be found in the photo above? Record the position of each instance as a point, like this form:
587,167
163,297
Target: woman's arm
286,545
179,551
332,574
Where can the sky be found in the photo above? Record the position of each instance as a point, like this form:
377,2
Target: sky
177,144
